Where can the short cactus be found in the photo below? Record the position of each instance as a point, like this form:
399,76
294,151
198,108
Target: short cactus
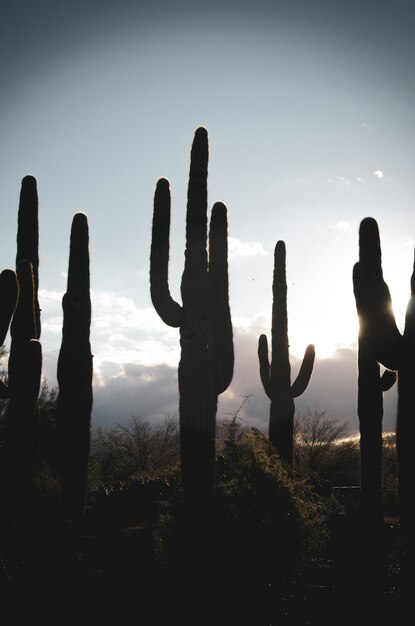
276,377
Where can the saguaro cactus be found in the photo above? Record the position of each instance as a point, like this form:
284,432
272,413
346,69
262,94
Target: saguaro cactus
75,375
22,427
394,350
371,385
206,363
28,236
21,431
276,377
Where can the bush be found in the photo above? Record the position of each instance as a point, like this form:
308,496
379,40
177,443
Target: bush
267,522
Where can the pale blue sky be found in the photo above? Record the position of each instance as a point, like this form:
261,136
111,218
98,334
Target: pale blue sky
310,113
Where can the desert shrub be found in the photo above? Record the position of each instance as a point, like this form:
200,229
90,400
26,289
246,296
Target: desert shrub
267,522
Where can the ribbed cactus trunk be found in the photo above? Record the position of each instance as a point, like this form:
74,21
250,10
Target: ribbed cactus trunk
75,376
22,425
276,377
395,351
21,431
206,363
28,236
371,386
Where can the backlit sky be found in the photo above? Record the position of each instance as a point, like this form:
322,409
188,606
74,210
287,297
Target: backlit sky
310,111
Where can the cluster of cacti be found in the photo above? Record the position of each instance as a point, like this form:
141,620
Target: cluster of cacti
207,357
21,312
395,351
276,376
75,375
371,384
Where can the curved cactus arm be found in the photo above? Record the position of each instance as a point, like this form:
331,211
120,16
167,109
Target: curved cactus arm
303,378
388,379
169,310
373,299
9,290
28,235
220,325
409,332
264,365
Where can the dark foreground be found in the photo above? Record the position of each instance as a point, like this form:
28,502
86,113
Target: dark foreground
50,571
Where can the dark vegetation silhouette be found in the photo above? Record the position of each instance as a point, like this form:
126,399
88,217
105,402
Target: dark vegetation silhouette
199,520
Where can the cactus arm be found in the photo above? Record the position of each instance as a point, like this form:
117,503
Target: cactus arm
264,366
303,378
409,331
373,299
28,235
169,310
9,290
220,325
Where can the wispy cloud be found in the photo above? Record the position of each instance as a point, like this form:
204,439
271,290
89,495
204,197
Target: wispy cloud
341,225
245,248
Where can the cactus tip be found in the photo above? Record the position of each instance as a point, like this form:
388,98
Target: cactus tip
163,183
29,181
202,130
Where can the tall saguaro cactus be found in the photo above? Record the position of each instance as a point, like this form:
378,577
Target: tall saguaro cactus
276,377
22,424
392,349
21,430
207,357
75,375
371,385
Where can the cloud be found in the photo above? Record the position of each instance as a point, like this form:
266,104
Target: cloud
136,358
245,248
341,225
378,173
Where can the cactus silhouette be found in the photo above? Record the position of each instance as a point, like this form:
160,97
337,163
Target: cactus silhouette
389,347
28,236
21,429
276,377
22,424
9,290
207,357
74,375
371,385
